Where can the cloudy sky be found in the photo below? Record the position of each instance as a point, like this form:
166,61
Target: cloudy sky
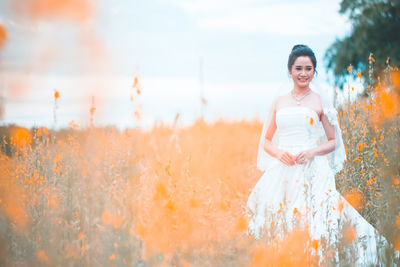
242,46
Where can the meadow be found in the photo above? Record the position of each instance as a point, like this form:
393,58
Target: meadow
175,196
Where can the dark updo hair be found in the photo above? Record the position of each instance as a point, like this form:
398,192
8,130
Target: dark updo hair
301,51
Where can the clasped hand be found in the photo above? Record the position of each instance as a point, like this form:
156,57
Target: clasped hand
300,158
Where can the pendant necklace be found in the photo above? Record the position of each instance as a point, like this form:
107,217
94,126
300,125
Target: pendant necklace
301,98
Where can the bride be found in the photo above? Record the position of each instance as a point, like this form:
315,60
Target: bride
298,185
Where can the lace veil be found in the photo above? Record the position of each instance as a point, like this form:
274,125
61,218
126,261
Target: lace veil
336,158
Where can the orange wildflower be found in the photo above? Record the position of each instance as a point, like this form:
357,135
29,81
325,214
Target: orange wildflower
361,146
41,255
349,68
184,263
371,58
359,75
3,35
355,198
75,10
349,233
242,224
170,205
296,212
280,208
315,244
135,82
42,131
396,79
340,205
20,137
387,105
398,221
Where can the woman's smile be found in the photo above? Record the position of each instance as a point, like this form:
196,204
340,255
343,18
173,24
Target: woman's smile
302,71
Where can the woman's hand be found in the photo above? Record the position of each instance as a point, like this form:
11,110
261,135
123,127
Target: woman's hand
286,158
304,156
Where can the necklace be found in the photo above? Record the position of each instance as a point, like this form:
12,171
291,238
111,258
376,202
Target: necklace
301,98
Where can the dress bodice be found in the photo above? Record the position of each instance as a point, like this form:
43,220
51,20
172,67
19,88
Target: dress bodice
297,127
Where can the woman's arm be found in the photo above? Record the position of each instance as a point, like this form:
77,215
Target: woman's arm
329,146
322,149
283,156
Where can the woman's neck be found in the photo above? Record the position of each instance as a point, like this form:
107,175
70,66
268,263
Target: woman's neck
300,90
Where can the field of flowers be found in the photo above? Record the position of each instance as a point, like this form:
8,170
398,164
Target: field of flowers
175,196
170,196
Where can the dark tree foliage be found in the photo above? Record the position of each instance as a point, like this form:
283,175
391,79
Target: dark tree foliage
375,29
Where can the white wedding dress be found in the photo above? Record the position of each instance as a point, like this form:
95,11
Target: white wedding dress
306,192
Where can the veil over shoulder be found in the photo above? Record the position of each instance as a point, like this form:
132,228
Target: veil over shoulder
336,158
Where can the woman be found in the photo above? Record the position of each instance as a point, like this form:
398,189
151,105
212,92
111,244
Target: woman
297,188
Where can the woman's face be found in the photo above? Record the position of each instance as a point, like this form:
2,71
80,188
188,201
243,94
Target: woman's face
302,71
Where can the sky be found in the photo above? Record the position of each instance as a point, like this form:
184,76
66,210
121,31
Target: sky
232,53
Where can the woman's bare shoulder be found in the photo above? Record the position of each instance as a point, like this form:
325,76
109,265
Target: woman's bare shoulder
281,100
316,99
316,95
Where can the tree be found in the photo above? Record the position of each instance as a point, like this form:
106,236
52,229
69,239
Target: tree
375,29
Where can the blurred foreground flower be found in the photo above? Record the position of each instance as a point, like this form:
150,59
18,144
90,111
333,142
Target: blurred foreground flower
386,99
3,35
